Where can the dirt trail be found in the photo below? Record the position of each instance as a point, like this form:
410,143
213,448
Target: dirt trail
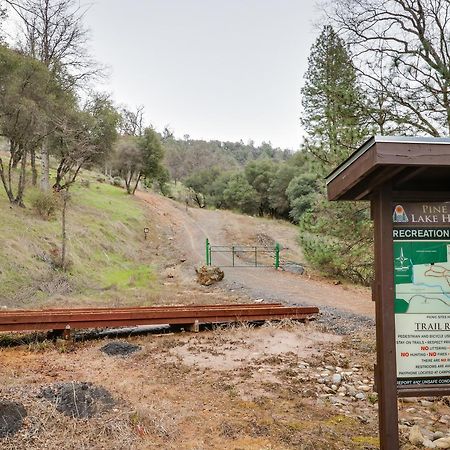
190,229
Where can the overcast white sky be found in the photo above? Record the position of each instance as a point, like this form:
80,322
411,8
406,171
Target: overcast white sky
213,69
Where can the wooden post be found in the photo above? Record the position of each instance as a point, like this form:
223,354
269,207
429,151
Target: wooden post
386,370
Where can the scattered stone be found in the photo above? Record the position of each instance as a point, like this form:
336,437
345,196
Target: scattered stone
416,436
208,275
428,444
336,379
442,442
360,396
426,403
79,400
11,418
119,348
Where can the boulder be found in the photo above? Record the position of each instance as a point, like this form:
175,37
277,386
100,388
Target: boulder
416,436
208,275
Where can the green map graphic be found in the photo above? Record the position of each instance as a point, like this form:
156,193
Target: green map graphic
422,276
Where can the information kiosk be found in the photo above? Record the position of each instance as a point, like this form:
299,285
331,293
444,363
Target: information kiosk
407,181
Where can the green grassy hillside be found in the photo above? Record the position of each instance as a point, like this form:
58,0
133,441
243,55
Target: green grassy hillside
110,262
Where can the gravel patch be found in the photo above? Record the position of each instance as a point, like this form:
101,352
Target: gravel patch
79,400
343,322
120,348
334,320
11,418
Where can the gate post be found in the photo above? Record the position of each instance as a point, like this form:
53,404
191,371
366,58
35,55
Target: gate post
208,253
277,255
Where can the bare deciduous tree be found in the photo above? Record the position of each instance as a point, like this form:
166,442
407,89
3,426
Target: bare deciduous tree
132,122
53,32
402,50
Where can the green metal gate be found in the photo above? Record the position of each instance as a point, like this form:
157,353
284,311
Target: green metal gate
243,255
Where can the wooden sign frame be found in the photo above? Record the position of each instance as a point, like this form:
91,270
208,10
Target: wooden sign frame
387,171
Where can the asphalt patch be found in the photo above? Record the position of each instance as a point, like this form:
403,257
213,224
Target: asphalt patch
119,348
79,400
11,418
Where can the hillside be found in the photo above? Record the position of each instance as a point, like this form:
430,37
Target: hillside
105,246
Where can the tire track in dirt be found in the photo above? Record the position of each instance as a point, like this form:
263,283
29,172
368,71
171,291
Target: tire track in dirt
194,225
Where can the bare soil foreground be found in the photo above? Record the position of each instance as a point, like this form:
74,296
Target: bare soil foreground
280,386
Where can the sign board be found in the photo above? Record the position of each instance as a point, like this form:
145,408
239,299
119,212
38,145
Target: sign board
421,235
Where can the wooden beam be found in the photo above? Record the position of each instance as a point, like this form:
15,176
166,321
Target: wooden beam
409,175
386,370
385,174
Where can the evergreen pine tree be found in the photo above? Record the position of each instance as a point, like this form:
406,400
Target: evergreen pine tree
336,237
333,112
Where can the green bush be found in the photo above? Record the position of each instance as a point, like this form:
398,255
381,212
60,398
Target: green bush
46,204
117,181
337,240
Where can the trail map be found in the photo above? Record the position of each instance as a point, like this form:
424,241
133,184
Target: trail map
422,293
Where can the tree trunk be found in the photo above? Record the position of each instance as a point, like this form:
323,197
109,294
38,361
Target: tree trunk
137,182
65,195
21,186
128,180
5,184
34,173
45,173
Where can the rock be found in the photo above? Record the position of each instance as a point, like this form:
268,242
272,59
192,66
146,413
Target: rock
336,379
309,393
442,442
428,444
360,396
426,403
208,275
437,435
415,436
409,400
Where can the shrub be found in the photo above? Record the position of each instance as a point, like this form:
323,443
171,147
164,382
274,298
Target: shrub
45,203
337,239
85,183
117,181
